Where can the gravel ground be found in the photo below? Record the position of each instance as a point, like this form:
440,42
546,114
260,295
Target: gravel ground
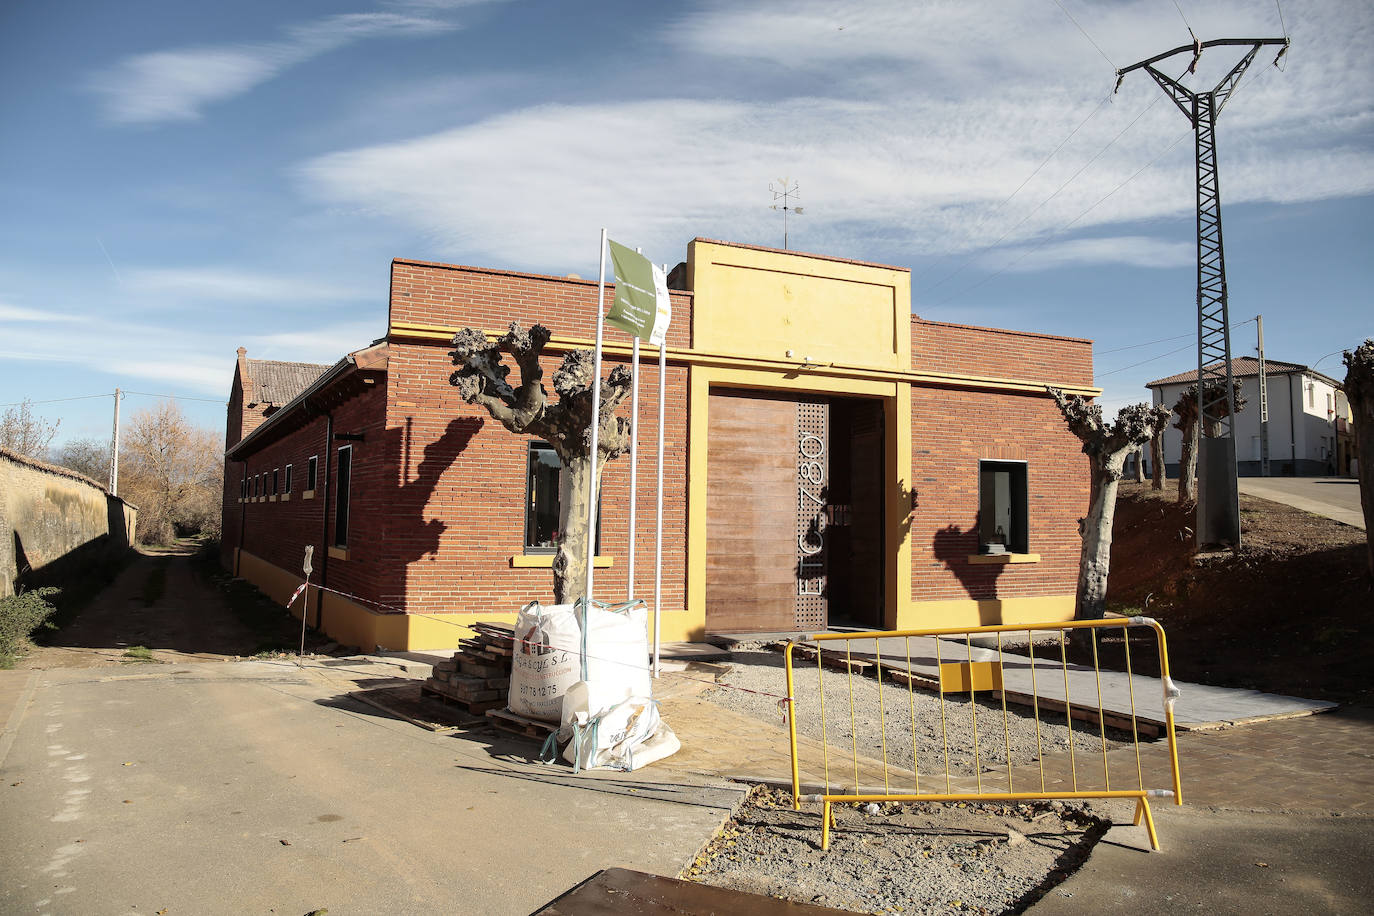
906,859
762,671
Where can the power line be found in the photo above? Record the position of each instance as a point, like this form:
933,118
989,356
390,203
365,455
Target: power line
179,397
1046,161
1036,209
110,394
1186,23
1086,35
1034,248
1188,346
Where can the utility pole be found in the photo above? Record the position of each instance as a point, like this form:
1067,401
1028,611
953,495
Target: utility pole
114,448
1218,499
1264,401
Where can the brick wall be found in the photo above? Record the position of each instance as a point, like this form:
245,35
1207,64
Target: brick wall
456,515
953,428
937,346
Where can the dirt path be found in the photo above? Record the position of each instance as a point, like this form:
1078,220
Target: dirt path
158,602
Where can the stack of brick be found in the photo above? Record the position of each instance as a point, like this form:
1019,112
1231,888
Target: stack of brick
477,677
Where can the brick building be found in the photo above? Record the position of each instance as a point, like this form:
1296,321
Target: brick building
830,459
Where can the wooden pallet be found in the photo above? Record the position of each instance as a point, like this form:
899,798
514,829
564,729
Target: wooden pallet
515,724
434,688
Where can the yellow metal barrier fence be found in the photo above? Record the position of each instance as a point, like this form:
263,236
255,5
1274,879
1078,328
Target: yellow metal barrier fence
943,729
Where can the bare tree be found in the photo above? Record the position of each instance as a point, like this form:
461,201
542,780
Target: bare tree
1140,464
1359,389
86,456
565,425
23,432
1106,448
172,471
1187,424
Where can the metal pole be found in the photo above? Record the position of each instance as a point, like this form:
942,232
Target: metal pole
114,449
596,429
634,464
1264,401
658,502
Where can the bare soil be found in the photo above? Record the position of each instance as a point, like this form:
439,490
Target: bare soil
1287,613
177,604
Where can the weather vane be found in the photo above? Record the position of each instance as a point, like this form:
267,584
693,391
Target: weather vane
786,191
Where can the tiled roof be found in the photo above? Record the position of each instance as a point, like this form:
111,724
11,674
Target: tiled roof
1241,367
276,383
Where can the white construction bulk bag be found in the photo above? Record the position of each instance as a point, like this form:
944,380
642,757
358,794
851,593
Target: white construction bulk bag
547,659
626,736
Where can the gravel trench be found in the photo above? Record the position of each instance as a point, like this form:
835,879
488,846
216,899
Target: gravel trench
907,859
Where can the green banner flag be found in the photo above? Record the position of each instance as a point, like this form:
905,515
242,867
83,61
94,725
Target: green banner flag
641,306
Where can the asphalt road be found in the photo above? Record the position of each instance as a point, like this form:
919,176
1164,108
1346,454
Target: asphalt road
1332,497
258,787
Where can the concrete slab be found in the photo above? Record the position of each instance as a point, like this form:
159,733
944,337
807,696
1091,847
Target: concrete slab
1199,706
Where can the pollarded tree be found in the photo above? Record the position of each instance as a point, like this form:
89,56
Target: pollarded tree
1359,389
565,424
1106,447
1187,425
1157,461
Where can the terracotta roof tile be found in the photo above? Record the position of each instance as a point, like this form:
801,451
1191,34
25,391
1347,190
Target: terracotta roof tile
276,383
1241,367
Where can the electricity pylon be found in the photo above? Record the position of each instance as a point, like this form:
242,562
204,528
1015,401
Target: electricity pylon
1218,508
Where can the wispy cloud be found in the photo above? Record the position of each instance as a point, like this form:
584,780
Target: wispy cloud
898,146
236,285
1131,250
16,313
176,85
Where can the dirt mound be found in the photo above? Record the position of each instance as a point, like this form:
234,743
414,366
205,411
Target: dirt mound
1288,613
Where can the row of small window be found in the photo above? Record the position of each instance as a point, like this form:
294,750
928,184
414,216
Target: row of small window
268,483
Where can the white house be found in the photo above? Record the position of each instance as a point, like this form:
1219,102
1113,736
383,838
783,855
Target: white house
1303,408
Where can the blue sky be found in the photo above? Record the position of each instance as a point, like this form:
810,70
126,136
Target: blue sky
177,180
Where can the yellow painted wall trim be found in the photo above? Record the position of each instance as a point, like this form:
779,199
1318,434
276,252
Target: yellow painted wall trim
1002,559
545,561
969,612
688,356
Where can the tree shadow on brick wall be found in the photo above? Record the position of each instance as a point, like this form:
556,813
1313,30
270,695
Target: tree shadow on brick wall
407,534
953,546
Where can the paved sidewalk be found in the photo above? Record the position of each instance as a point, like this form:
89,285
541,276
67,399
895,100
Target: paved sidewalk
1199,706
1330,497
1278,818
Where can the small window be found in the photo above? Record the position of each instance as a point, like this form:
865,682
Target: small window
343,485
243,488
543,506
275,480
288,479
1002,508
310,470
257,484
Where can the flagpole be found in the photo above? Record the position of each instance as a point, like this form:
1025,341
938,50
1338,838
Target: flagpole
658,501
634,462
596,431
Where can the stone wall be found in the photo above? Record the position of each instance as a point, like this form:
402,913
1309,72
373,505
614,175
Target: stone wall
53,521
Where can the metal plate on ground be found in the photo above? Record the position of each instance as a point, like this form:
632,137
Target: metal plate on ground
622,892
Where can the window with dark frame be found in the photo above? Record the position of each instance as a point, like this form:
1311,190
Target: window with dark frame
243,488
342,485
310,471
288,480
275,480
543,506
1003,522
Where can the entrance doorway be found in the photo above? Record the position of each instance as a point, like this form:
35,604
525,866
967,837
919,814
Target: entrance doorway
795,492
